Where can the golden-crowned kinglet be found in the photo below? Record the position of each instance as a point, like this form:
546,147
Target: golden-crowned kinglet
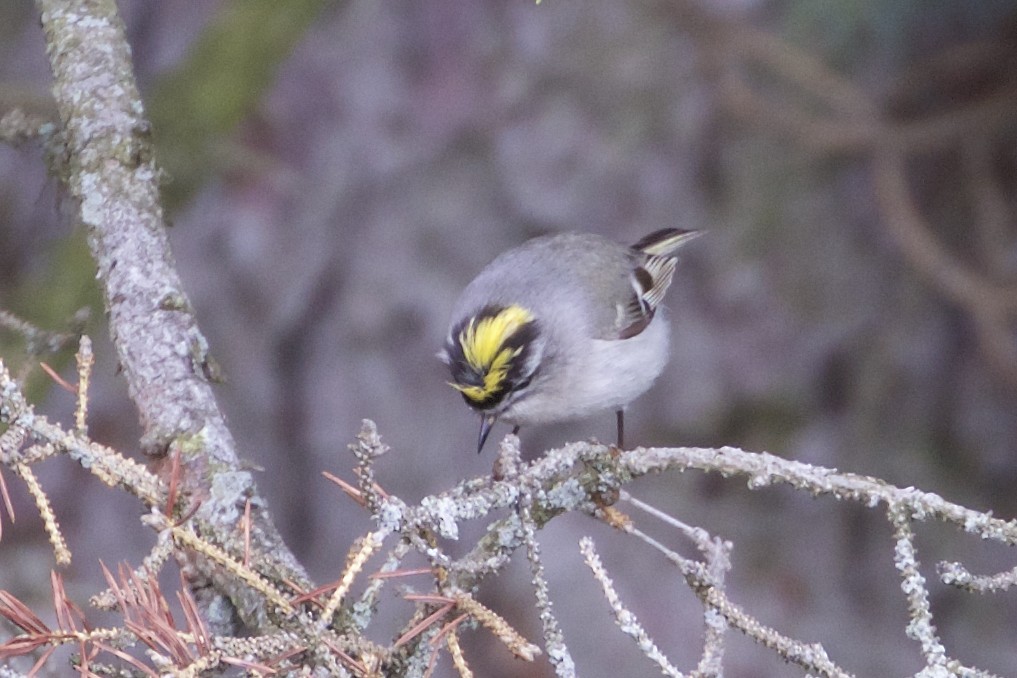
561,327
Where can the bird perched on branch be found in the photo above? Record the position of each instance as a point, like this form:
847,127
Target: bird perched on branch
562,327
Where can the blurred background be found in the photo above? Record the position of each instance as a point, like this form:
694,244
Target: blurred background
337,172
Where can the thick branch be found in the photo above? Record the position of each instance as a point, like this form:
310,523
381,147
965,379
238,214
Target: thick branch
164,357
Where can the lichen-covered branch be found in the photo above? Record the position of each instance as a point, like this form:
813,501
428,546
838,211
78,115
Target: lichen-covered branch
322,630
112,175
626,620
574,477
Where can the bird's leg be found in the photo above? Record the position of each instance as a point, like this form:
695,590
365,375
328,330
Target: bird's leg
621,428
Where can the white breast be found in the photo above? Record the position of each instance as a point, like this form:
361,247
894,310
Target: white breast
620,371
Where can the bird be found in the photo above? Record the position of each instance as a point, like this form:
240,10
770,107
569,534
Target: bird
562,327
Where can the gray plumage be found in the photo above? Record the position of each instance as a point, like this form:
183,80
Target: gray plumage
596,340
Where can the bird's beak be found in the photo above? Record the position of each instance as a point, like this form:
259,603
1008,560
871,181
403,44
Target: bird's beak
486,422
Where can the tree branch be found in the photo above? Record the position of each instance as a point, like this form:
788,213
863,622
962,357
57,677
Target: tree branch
114,178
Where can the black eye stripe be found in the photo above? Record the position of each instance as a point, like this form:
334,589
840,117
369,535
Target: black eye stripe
522,339
523,383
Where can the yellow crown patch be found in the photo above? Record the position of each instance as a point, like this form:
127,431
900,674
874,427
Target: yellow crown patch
486,350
